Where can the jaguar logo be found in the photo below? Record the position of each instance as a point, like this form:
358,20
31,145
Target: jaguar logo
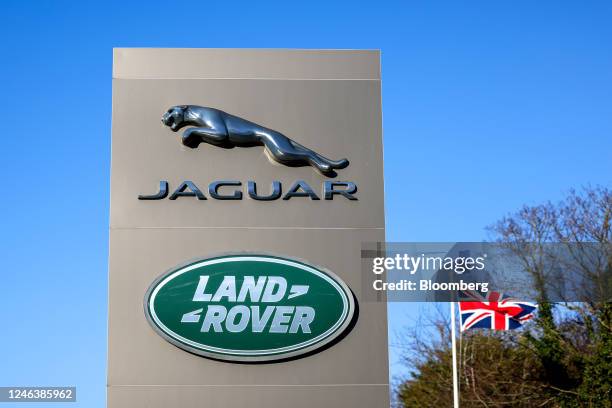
222,129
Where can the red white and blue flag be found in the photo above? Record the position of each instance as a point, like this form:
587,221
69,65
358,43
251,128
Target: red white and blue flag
494,311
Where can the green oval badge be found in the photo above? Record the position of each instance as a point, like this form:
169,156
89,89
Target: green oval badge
250,308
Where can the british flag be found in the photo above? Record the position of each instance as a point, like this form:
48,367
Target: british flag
494,311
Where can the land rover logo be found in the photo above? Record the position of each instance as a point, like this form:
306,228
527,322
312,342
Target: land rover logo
249,308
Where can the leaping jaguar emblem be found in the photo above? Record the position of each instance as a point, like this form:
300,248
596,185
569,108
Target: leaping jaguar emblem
222,129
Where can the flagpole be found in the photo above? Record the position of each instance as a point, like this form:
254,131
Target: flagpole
454,353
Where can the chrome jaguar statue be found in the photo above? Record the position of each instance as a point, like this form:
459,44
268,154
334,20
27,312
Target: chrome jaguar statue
222,129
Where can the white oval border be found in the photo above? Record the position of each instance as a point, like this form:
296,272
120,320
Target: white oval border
282,353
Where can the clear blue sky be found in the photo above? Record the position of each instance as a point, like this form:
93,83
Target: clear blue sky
487,105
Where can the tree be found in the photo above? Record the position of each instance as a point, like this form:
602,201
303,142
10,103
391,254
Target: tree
561,359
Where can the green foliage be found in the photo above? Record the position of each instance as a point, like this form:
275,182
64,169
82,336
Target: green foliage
563,358
492,369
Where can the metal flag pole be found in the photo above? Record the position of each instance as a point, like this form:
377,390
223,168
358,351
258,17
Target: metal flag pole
454,353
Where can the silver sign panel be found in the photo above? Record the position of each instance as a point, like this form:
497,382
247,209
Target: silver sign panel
274,152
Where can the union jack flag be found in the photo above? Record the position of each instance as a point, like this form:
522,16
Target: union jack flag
494,311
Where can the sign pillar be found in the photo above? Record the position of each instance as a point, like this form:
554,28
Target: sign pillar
243,184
